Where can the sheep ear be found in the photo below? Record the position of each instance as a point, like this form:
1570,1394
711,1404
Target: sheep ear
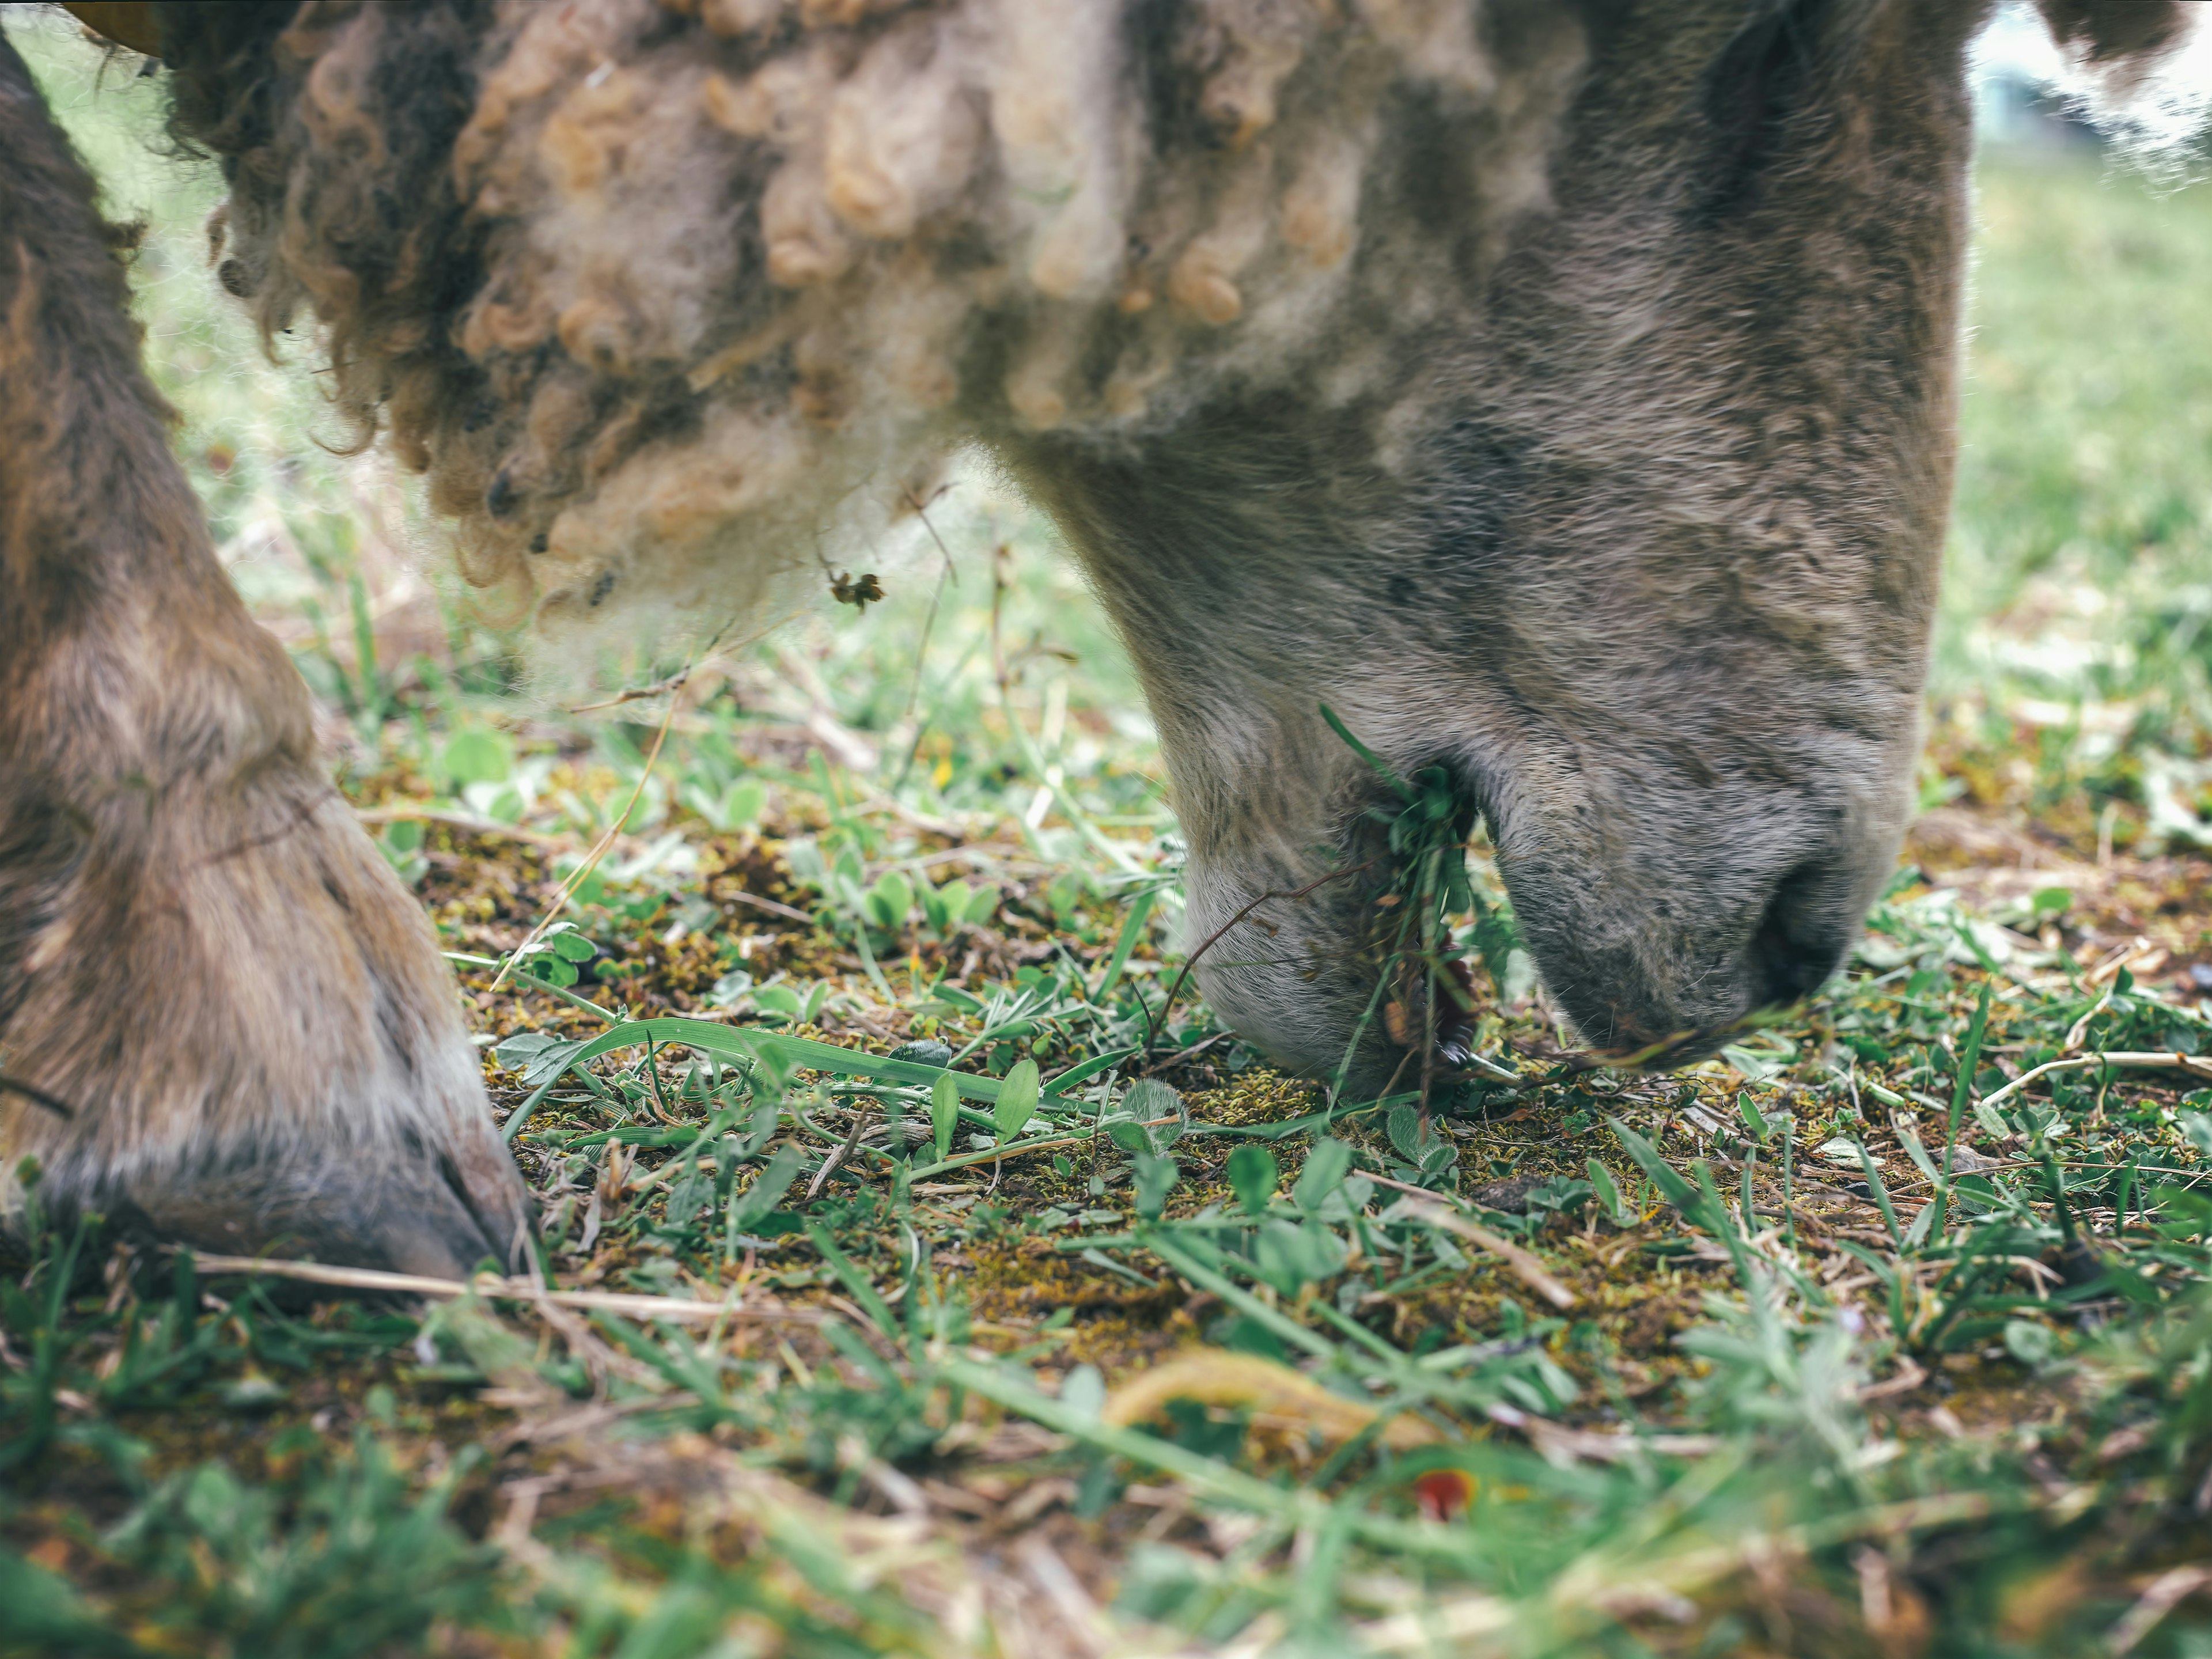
1754,87
2109,32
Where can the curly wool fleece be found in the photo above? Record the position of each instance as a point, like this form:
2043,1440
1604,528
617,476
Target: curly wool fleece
668,297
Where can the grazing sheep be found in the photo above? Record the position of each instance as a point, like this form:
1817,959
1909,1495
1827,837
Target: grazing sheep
1561,393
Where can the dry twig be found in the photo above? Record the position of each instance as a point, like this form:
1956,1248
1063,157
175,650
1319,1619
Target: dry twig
1525,1266
505,1290
2153,1060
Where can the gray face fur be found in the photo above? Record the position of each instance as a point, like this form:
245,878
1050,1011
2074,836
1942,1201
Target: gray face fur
1639,539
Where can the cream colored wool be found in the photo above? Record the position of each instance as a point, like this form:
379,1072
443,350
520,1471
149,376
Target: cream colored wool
746,272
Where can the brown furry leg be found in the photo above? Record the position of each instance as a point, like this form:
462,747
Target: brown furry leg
201,954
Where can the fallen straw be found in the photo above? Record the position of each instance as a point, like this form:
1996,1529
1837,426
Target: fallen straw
1525,1266
1273,1390
2195,1064
511,1289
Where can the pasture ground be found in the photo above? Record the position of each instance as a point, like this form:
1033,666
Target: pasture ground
1851,1342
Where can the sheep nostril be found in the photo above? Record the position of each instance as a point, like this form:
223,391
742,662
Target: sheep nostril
1799,942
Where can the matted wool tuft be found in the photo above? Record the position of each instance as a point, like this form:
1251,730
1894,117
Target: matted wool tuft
669,298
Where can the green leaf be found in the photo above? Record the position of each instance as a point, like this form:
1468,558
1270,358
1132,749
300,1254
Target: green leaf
1916,1236
2198,1127
1159,1109
1909,1140
775,1050
944,907
1960,1095
571,945
863,1290
688,1195
537,1055
476,757
741,804
891,898
1672,1187
1324,1173
781,999
1155,1177
1084,1390
46,1614
1459,892
680,1619
1252,1176
747,1208
982,905
1757,1065
1404,1127
1133,927
517,1050
1497,938
1017,1100
1972,1057
1291,1257
945,1112
2030,1343
554,971
1749,1110
1129,1134
803,858
1608,1194
1880,1193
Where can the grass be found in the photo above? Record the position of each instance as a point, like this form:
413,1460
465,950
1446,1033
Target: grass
1117,1342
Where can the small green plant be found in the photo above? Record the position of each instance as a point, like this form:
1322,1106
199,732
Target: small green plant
559,954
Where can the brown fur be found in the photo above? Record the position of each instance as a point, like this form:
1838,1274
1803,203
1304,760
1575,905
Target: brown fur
200,954
1561,393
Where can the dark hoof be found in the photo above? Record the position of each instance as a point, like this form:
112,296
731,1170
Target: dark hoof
419,1217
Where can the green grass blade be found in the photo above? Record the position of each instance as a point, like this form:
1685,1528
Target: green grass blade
1132,929
1880,1192
1382,768
1967,1062
1084,1071
750,1044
